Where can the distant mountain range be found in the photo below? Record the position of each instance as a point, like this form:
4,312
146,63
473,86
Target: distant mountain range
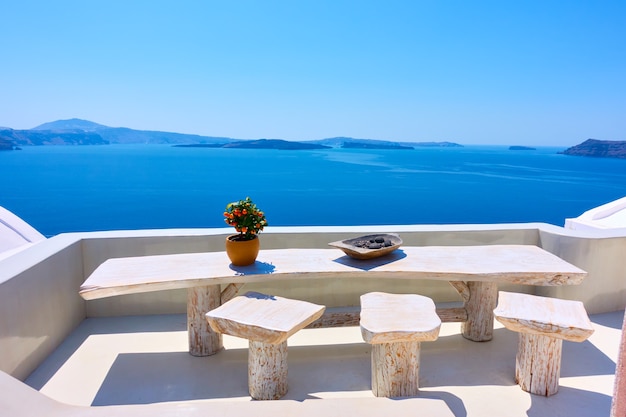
84,132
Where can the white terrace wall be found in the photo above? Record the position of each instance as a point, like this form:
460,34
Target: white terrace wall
604,258
40,305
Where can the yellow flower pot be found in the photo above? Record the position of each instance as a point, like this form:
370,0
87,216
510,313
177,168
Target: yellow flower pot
242,252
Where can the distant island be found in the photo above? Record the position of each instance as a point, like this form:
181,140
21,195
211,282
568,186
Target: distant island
360,145
85,132
259,144
521,148
436,144
599,149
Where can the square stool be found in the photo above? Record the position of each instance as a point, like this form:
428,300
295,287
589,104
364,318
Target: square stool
542,323
267,322
395,325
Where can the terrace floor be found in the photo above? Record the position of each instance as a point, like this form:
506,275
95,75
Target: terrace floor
144,359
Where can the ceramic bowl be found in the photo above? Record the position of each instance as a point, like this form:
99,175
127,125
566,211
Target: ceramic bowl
369,246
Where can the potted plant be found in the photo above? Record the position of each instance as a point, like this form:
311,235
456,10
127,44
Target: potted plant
243,247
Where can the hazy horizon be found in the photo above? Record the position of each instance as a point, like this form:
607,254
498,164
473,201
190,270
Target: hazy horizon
475,73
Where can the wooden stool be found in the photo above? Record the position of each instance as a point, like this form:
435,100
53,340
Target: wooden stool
267,322
543,323
395,325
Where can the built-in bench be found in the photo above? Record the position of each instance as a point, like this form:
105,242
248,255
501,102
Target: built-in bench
474,271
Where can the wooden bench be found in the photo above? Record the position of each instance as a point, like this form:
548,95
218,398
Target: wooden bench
395,325
267,322
474,271
543,323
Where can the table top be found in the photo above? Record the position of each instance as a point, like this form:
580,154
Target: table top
517,264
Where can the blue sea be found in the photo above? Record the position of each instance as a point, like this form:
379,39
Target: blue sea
87,188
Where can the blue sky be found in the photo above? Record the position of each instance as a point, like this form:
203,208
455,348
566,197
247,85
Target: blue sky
471,72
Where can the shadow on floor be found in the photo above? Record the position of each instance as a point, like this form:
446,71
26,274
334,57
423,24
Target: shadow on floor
102,325
141,378
453,369
567,399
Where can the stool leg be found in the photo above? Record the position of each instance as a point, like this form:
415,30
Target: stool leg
483,299
267,370
395,369
538,364
203,341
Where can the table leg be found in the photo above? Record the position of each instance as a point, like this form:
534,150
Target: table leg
203,341
480,306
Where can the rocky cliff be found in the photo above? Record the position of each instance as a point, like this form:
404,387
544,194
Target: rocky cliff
599,149
51,137
5,144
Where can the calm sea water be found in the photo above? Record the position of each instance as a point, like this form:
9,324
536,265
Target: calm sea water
86,188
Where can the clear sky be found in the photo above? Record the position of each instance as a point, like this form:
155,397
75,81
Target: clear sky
472,72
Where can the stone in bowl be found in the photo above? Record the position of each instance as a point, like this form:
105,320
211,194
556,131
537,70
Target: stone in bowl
369,246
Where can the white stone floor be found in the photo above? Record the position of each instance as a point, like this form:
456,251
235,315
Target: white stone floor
144,359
